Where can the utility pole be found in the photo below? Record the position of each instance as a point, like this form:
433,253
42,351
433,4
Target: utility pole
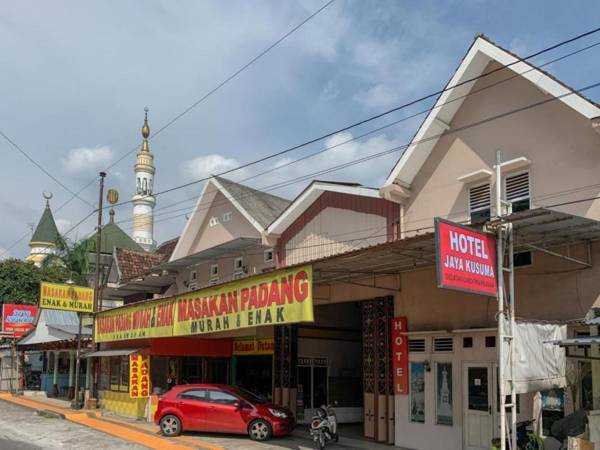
506,315
97,299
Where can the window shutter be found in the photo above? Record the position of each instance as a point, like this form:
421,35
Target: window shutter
517,187
443,344
479,197
416,345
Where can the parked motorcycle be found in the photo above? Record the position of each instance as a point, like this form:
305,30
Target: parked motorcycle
323,426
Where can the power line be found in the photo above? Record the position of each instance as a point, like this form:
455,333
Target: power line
460,98
39,166
377,116
404,146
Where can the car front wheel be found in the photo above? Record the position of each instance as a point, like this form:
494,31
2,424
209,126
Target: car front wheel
170,425
259,430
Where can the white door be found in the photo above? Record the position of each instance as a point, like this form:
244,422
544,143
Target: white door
478,404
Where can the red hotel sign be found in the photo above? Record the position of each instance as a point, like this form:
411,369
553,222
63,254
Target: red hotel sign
465,258
400,355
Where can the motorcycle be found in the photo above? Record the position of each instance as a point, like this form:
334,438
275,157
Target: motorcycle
323,426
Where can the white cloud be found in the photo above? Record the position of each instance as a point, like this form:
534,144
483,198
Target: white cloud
87,159
205,166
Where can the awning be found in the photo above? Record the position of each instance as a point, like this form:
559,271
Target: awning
116,352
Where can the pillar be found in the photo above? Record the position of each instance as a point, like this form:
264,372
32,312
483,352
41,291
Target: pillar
88,363
55,375
71,393
285,366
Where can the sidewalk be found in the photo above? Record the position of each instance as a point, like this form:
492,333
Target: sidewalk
140,433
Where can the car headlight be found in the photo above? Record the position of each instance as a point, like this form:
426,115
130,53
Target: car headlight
278,413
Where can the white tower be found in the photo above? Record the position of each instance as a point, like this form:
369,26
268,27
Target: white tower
143,198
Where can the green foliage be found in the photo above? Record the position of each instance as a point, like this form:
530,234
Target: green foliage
20,280
73,257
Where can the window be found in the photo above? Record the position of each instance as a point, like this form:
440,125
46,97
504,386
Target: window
468,342
490,341
479,203
416,345
238,264
522,259
193,275
194,394
227,216
222,397
214,270
119,373
516,188
269,255
553,408
213,221
443,344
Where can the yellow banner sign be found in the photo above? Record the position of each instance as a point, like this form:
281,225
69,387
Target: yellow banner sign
139,376
274,298
66,297
251,346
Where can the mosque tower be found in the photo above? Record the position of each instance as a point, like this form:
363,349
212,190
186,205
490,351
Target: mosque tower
45,237
143,198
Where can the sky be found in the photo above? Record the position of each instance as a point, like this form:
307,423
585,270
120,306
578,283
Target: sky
76,77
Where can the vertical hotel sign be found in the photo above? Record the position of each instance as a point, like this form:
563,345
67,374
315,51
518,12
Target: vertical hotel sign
400,355
465,259
139,376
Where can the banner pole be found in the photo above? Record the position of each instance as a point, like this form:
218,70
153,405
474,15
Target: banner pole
76,403
500,295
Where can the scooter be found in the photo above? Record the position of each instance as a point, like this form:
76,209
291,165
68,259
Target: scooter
323,427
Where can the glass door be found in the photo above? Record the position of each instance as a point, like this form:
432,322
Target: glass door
479,419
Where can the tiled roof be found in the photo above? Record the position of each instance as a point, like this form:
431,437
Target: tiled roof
133,264
167,247
263,207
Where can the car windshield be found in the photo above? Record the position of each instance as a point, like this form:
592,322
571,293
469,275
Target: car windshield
250,396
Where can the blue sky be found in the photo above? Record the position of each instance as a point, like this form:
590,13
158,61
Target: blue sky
77,75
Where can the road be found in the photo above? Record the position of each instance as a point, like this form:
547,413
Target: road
23,429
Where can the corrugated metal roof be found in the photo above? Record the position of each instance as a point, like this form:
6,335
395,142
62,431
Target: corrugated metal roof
583,341
56,318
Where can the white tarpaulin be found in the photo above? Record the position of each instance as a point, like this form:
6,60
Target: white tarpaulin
539,365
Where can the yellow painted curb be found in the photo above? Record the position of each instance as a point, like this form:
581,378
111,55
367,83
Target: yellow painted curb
121,431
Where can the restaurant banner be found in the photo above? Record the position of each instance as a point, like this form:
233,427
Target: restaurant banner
18,319
139,376
400,355
66,297
465,258
139,321
253,346
274,298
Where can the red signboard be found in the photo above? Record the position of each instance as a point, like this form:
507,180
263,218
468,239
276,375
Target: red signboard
400,355
465,258
18,319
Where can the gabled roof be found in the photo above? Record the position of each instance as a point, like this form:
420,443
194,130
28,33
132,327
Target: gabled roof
46,230
308,196
257,207
481,53
132,264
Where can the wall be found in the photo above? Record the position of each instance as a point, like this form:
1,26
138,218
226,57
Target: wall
563,148
120,403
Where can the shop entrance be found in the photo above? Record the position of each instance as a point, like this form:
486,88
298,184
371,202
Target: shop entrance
255,373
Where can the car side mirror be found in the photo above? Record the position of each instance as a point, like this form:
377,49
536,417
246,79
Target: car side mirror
237,405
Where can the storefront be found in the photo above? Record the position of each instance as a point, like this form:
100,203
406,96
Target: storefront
222,334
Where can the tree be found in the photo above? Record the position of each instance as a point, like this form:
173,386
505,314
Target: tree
20,280
73,257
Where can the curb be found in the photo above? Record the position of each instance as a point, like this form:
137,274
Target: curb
50,414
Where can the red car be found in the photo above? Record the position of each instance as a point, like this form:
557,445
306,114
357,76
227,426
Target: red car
222,409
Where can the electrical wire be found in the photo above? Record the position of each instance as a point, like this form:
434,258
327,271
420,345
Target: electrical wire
460,98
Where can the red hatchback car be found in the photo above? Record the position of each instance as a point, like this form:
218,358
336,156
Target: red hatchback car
222,409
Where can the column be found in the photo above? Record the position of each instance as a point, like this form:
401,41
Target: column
71,393
55,375
88,363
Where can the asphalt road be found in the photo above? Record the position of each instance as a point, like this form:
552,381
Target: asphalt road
23,429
